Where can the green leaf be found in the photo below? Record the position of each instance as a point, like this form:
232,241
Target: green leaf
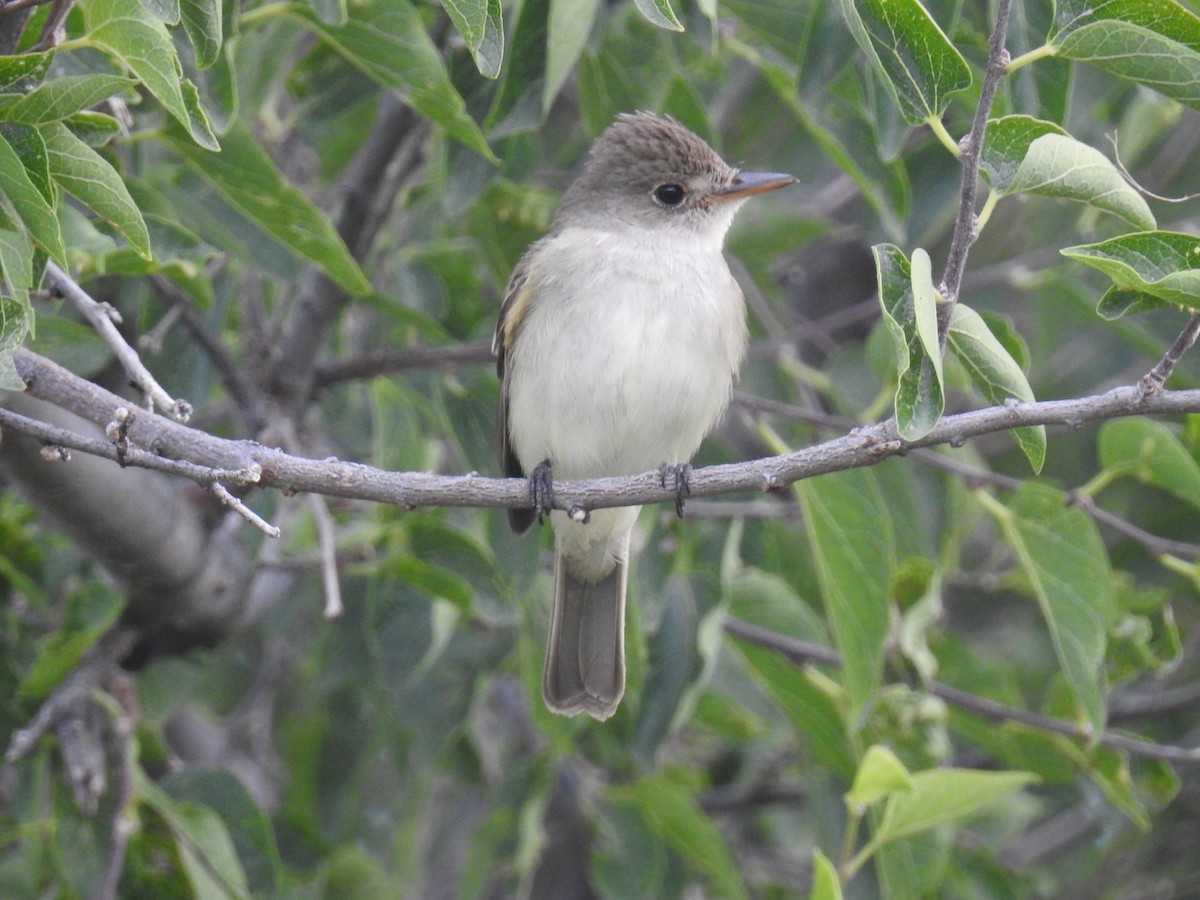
996,374
481,24
245,175
434,580
1162,267
518,102
387,40
1062,555
209,859
677,820
905,45
911,318
88,177
1150,452
1153,43
660,13
250,827
815,714
570,23
140,42
22,72
30,146
16,266
943,797
1051,163
825,883
674,662
16,317
205,29
93,128
29,204
853,546
879,775
90,612
64,96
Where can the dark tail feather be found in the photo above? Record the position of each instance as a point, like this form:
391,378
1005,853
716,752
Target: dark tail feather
585,655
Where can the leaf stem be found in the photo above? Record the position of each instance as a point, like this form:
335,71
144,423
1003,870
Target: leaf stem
986,213
254,16
1032,56
939,129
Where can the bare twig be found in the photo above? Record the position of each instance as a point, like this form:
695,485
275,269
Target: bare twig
965,229
96,664
101,318
1155,379
15,6
55,437
222,493
805,652
391,362
124,821
241,388
327,543
973,475
52,28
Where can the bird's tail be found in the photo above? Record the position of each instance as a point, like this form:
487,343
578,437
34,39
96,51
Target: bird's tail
585,656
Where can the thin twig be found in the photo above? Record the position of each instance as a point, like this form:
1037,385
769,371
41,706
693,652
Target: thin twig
222,493
101,317
241,388
973,475
15,6
95,665
804,652
1155,379
123,716
393,361
55,437
965,227
327,543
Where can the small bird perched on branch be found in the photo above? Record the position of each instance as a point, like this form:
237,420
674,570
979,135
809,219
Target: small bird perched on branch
619,338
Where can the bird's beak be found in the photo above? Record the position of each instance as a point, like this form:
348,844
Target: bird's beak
747,184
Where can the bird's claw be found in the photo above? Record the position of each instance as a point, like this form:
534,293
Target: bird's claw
541,491
680,477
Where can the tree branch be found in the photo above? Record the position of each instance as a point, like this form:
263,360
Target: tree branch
965,228
804,652
103,318
860,447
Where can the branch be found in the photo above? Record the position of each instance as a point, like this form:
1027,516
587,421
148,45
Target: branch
804,652
103,318
54,437
393,361
965,228
332,477
1157,377
398,136
243,390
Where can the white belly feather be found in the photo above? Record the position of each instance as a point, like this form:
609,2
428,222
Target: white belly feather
623,375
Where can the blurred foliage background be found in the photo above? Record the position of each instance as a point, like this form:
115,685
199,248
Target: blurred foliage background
328,282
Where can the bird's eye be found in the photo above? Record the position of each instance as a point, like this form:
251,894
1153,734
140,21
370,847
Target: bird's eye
669,194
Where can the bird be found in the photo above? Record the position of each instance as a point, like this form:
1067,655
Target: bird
620,335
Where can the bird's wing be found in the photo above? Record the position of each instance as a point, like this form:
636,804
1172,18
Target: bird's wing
512,311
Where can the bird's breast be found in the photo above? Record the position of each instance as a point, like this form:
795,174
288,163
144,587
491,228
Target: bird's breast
625,355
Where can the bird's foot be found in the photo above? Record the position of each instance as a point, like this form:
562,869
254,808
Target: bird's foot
541,490
678,475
